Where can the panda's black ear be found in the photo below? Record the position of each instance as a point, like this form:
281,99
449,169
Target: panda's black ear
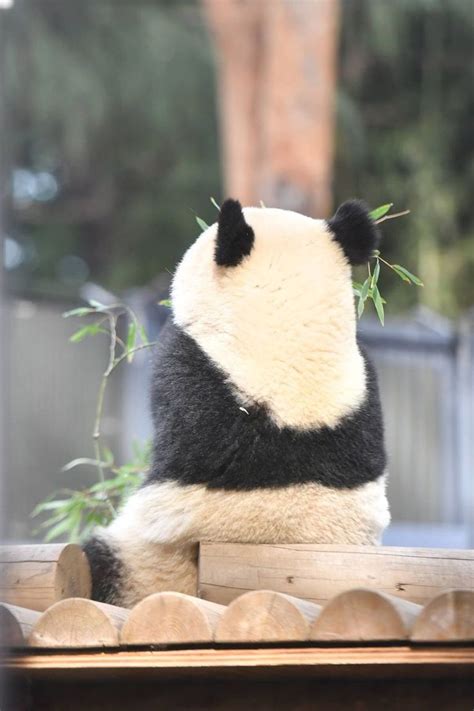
355,231
235,237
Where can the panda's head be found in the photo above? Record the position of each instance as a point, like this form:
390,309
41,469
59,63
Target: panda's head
267,294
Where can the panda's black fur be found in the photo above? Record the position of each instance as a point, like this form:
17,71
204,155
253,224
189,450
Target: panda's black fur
203,436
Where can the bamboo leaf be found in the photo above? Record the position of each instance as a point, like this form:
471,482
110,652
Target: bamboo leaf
131,340
379,212
213,201
58,530
401,271
365,289
142,332
378,305
84,460
96,305
81,311
203,225
91,330
375,275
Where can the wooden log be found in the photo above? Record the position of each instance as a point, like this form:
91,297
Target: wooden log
319,572
16,624
448,617
37,576
363,615
171,617
266,616
77,622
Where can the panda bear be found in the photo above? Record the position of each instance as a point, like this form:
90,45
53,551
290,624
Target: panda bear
267,419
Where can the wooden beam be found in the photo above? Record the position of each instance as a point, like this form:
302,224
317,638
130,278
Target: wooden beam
77,622
37,576
448,617
365,615
319,572
395,661
266,616
16,624
170,617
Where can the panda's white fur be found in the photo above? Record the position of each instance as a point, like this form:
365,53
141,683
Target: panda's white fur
172,519
282,326
282,329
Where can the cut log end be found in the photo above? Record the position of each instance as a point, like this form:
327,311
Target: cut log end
170,617
448,617
76,622
73,576
266,616
37,576
364,615
16,624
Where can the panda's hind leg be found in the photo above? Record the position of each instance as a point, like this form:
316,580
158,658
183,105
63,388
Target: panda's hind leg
125,571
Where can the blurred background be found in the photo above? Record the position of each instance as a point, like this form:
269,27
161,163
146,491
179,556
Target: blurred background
119,119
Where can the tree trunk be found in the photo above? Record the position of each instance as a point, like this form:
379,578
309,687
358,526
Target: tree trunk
277,82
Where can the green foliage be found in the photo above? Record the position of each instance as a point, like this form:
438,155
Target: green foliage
369,289
405,106
74,513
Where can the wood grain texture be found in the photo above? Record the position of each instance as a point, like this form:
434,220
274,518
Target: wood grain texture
266,616
264,663
448,617
365,615
77,622
169,617
37,576
319,572
16,624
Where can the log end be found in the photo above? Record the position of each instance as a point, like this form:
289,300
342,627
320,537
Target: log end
169,618
76,622
363,615
447,617
73,575
263,616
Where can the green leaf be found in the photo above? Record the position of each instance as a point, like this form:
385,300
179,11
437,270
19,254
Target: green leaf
406,275
356,288
142,332
48,506
365,289
58,530
131,340
379,212
97,305
375,275
360,307
83,460
165,302
91,330
378,305
81,311
400,274
203,225
213,201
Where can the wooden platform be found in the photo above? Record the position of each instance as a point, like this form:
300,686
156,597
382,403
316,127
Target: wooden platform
439,678
338,627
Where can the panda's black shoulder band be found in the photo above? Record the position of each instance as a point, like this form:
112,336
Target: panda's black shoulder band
235,237
355,231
